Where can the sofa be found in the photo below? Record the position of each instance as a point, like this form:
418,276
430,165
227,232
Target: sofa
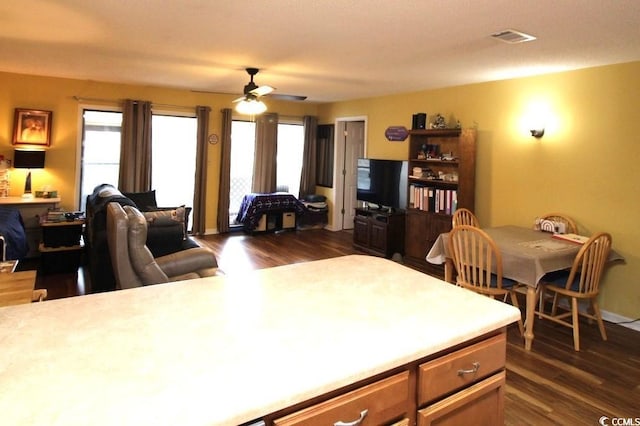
167,231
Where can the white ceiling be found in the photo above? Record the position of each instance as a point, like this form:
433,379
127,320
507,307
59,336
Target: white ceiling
329,50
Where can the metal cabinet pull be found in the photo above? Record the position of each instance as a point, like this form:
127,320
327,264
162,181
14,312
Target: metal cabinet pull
476,367
356,422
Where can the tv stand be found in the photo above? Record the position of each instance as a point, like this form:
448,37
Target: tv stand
379,232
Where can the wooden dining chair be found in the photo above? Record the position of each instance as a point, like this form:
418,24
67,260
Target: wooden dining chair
570,224
478,263
582,282
464,216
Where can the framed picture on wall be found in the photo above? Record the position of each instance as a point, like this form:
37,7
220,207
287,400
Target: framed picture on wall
32,127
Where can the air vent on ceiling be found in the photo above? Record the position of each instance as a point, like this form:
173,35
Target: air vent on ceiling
512,36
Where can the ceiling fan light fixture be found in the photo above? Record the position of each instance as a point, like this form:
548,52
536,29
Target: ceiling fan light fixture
250,106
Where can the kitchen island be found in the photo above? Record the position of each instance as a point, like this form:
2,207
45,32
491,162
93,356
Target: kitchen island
265,344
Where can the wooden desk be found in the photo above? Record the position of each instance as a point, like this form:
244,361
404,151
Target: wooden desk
527,255
17,287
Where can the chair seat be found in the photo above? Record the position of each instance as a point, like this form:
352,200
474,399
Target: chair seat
506,282
559,279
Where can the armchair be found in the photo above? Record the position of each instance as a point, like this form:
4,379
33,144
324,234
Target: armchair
132,261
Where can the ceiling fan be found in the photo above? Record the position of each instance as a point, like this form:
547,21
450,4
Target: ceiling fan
252,90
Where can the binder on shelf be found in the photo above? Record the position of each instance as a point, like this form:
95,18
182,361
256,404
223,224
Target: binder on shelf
412,195
454,201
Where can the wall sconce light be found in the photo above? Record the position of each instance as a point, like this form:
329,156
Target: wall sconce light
537,133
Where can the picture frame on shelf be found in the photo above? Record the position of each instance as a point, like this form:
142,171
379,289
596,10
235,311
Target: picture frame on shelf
32,127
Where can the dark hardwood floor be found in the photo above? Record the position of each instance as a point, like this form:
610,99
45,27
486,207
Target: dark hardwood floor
552,384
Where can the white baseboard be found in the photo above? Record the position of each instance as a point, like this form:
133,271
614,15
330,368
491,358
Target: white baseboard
607,316
618,319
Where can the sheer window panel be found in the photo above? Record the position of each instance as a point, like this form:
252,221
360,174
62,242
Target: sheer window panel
174,143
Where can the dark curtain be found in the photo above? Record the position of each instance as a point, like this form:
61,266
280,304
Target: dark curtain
264,165
308,174
225,172
200,184
135,148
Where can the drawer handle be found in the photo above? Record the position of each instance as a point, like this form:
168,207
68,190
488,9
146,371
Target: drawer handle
356,422
476,367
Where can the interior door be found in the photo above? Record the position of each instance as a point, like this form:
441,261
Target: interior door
353,149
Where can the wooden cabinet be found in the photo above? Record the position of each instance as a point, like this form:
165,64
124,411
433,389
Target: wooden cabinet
462,385
441,179
62,246
379,233
461,368
422,230
475,375
382,402
480,404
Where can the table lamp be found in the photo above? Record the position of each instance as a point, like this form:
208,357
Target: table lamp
23,159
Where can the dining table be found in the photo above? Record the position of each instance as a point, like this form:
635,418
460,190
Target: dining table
527,255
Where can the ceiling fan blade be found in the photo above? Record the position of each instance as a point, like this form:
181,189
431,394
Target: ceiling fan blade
241,98
284,97
262,90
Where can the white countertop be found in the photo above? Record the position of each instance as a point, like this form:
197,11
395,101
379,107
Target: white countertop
226,350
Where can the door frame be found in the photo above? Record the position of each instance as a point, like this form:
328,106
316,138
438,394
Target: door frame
338,161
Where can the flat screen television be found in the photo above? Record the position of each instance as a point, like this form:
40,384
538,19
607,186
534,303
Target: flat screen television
382,184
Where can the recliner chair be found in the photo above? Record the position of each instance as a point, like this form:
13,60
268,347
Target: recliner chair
132,261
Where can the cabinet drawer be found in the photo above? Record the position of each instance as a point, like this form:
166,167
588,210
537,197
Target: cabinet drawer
385,400
461,368
479,404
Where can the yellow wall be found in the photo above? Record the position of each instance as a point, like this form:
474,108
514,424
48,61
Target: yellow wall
62,160
587,165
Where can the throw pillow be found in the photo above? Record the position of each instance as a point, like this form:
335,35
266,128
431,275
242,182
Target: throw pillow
187,214
165,217
144,200
165,231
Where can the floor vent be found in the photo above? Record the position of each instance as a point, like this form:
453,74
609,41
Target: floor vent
512,36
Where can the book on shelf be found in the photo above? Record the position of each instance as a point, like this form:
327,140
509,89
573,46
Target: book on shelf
432,200
435,200
572,238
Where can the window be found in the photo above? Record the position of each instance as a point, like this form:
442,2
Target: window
289,160
100,162
174,143
173,163
243,135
